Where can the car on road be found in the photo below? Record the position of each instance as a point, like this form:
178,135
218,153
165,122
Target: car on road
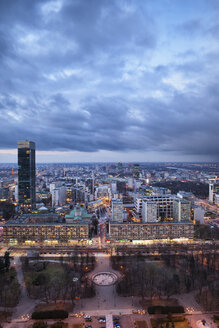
88,319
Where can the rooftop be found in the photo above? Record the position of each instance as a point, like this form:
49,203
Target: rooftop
78,213
152,223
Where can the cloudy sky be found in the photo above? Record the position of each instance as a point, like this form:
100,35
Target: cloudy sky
105,80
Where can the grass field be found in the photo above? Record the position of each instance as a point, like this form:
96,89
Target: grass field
4,315
64,325
141,324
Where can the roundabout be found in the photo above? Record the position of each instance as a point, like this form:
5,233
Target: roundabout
104,278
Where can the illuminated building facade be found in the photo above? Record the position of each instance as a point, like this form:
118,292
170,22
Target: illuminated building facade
45,228
150,231
26,174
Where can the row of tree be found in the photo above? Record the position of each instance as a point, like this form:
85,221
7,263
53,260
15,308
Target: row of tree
5,262
173,274
9,286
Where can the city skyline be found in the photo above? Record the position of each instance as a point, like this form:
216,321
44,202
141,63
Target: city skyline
100,81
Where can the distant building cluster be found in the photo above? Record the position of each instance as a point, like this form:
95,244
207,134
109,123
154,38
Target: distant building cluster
60,203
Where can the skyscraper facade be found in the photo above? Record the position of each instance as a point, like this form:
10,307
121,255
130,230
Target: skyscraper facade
26,174
211,192
136,171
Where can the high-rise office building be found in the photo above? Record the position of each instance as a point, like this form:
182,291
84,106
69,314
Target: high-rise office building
211,192
26,174
120,166
136,171
114,187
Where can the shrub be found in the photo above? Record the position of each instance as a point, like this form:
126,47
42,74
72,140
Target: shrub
59,324
53,314
165,309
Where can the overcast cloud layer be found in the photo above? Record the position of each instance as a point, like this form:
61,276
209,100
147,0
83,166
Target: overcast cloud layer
120,76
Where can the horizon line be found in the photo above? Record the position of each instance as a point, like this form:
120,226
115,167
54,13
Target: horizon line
125,162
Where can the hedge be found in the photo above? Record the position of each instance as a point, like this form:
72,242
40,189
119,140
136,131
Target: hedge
53,314
59,325
165,309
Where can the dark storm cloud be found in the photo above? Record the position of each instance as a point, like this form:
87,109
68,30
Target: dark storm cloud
104,75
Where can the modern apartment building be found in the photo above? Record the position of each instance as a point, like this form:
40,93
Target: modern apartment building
181,209
164,205
150,211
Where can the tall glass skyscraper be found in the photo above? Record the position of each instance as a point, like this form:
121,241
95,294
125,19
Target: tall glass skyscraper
26,174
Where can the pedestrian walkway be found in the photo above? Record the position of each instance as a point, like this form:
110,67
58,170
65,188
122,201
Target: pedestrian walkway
26,305
109,321
106,298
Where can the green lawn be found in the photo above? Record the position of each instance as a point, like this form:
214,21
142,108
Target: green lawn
177,324
64,325
141,324
77,325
